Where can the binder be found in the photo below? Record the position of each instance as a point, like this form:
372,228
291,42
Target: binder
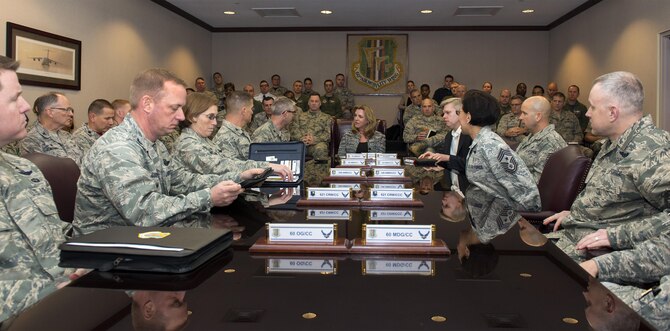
291,154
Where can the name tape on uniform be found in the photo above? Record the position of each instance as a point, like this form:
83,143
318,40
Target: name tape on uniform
353,186
328,193
389,173
345,172
353,162
391,215
399,267
389,186
402,233
296,232
315,266
328,214
377,194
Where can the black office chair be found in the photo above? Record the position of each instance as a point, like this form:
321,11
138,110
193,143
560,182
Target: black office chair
62,174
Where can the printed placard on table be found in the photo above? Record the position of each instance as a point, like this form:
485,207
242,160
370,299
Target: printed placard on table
378,194
301,265
328,214
353,186
299,232
389,173
328,193
399,267
389,186
391,215
386,155
401,233
345,172
353,162
388,162
357,156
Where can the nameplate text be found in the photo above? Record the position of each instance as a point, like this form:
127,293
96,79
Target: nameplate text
328,193
401,233
298,232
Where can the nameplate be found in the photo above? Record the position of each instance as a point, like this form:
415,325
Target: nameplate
388,162
362,156
298,232
391,215
386,156
377,194
345,172
401,233
328,193
399,267
353,186
309,266
390,173
328,214
353,162
389,186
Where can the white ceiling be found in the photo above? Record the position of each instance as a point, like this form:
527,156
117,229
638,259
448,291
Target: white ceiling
374,13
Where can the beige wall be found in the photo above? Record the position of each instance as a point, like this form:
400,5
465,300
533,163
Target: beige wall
119,39
504,58
610,36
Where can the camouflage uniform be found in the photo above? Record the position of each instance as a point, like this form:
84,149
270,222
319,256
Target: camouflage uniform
505,109
170,139
200,155
84,137
268,133
59,143
128,180
349,143
258,120
302,101
626,191
508,121
233,141
410,111
331,105
30,232
567,125
422,123
579,109
537,147
318,125
13,148
278,91
258,106
490,215
346,97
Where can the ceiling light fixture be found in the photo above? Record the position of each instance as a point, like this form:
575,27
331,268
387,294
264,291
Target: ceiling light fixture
426,11
326,12
528,11
229,12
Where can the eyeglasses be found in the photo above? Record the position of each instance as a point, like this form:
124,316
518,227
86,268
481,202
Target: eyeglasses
290,111
211,117
68,109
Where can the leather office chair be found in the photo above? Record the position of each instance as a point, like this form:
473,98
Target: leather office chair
341,126
562,179
62,175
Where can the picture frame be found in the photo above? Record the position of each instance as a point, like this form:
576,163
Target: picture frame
47,59
377,64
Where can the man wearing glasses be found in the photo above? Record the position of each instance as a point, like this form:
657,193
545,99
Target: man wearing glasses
54,113
276,129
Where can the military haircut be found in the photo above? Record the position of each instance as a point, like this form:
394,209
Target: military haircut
199,78
338,75
196,104
625,88
7,64
328,80
282,105
314,94
217,73
150,82
540,87
229,85
307,79
516,97
560,95
414,90
449,76
45,101
98,105
482,107
575,86
118,103
539,104
275,75
237,100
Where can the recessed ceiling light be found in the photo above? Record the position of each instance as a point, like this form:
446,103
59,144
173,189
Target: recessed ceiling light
528,11
426,11
229,12
326,12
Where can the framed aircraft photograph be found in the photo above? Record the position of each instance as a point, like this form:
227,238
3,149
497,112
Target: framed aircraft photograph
47,59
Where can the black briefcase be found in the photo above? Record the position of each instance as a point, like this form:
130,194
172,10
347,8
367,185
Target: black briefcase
148,249
290,154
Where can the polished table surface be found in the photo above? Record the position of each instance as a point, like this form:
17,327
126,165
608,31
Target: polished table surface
508,283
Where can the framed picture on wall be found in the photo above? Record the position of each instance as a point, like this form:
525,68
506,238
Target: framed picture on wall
377,64
46,59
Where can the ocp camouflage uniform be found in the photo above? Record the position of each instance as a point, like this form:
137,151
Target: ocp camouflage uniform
410,112
268,133
346,97
579,109
128,180
508,121
84,138
495,170
318,124
537,147
567,125
30,232
278,91
258,120
59,143
349,143
331,105
626,191
200,155
422,123
170,139
234,143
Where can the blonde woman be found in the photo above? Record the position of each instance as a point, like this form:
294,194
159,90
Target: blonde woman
363,137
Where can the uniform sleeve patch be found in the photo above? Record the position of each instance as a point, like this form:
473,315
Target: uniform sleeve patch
508,161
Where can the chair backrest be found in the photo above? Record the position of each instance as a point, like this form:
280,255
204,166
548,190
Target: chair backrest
563,178
62,174
341,126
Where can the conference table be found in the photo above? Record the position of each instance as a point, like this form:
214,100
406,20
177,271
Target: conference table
510,282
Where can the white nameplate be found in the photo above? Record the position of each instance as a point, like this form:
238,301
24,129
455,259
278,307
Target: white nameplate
391,215
353,162
345,172
315,266
388,162
354,186
389,173
387,155
292,232
387,233
357,156
328,214
391,194
328,193
389,186
399,267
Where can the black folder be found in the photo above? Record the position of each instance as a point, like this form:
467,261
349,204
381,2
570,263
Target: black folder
291,154
148,249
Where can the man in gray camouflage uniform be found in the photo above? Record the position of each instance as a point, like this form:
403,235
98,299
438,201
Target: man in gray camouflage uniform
510,126
276,129
344,94
54,113
313,128
566,123
414,109
100,119
543,140
504,102
127,177
262,117
416,131
627,187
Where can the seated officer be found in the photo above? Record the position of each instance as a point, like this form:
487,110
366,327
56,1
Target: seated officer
100,119
313,128
276,129
418,128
